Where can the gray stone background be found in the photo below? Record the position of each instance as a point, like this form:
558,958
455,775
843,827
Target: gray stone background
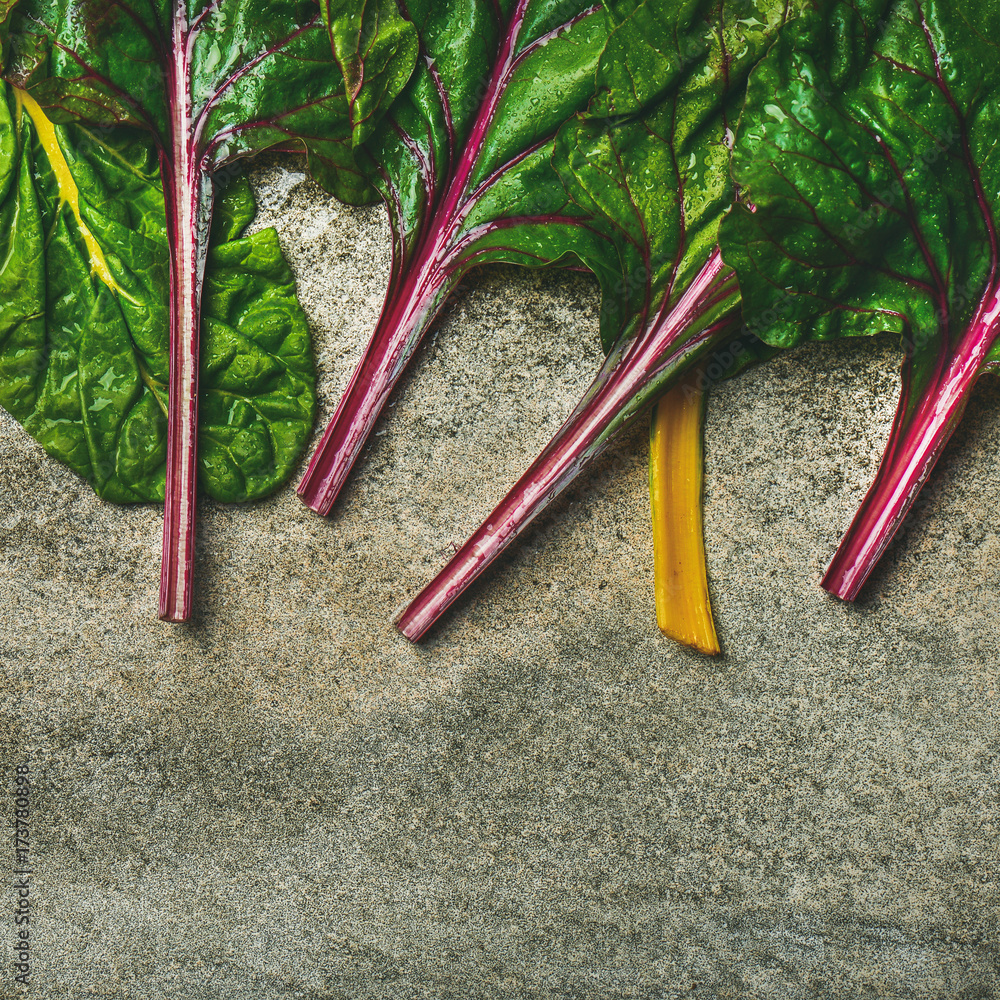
547,798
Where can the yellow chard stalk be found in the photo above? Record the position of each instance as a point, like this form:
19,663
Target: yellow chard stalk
676,476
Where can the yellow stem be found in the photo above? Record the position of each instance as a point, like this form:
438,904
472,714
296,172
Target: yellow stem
69,193
676,472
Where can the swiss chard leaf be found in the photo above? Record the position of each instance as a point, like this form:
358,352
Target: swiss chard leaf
84,327
648,167
211,82
649,163
376,49
869,149
462,161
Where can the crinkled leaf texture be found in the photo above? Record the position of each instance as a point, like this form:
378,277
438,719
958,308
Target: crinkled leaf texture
869,147
649,163
211,82
227,78
873,173
84,363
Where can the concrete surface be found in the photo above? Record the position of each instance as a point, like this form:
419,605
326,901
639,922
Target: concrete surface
547,799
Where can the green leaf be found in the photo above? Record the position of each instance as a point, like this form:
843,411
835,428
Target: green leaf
869,148
377,50
647,169
650,162
462,161
865,171
211,82
84,363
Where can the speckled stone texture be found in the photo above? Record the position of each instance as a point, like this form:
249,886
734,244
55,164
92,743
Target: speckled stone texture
547,798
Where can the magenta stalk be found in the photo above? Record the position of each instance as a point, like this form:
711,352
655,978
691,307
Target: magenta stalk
633,375
188,200
406,314
420,287
919,434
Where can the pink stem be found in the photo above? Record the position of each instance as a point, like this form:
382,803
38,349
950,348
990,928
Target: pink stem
409,308
406,314
189,207
631,376
919,435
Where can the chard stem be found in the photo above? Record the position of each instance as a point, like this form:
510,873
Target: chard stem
188,198
409,309
920,431
635,371
413,301
676,477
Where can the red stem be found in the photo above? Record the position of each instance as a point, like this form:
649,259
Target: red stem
919,434
407,312
188,198
633,373
411,304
